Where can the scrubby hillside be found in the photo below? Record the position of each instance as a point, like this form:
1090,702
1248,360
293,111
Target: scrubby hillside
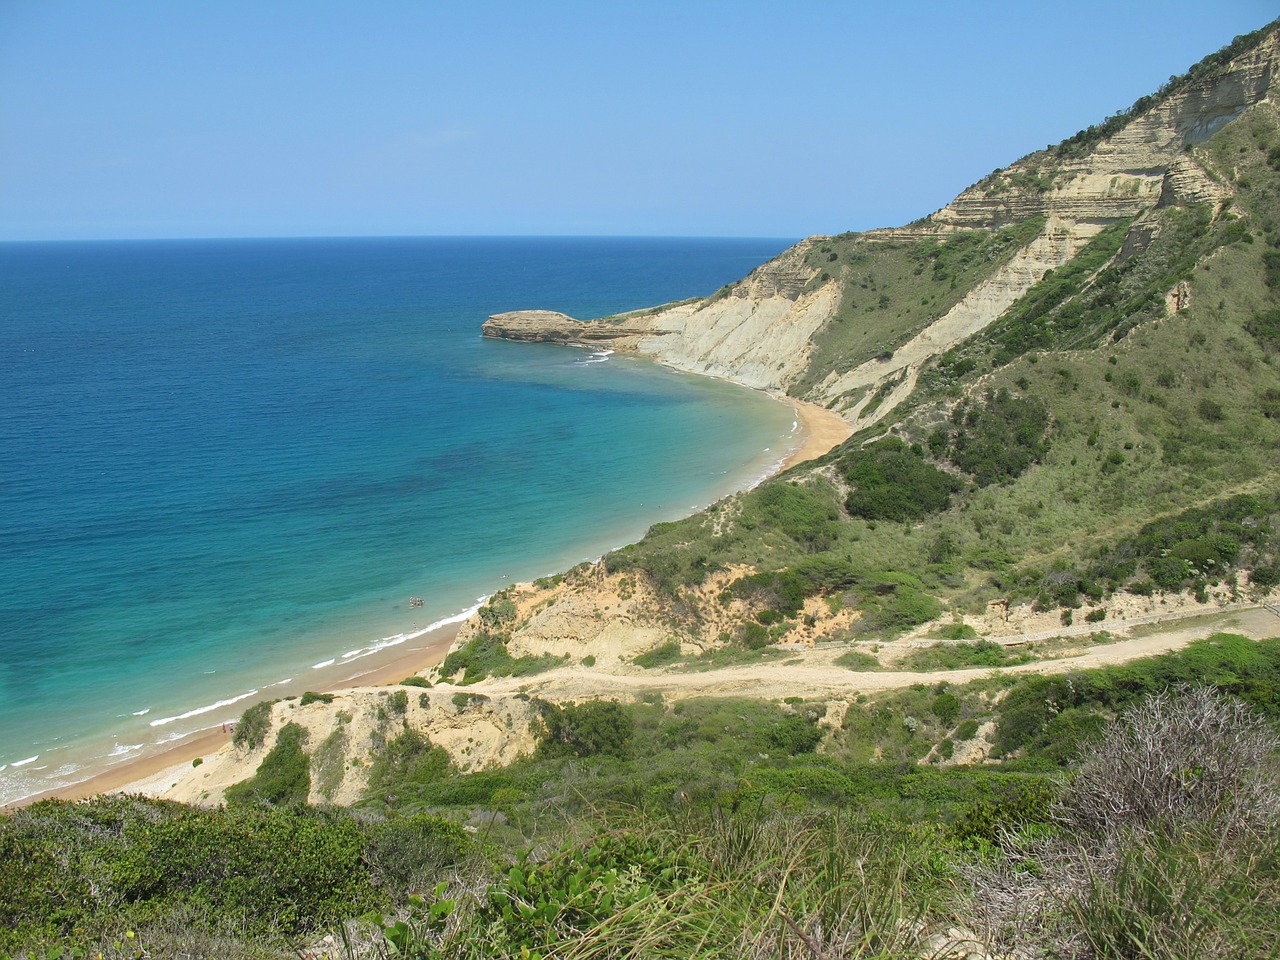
1064,386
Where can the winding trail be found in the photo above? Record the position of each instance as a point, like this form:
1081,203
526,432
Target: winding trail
817,675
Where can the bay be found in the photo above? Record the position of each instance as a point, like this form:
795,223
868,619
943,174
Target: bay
225,462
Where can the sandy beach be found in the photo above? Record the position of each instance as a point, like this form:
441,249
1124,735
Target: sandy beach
160,763
820,431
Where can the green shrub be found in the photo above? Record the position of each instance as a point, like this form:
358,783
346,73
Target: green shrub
659,656
793,735
958,631
597,727
956,656
857,660
312,697
946,707
753,636
286,870
415,681
997,439
892,481
804,514
283,778
406,765
406,853
71,872
1265,576
485,655
1023,801
251,730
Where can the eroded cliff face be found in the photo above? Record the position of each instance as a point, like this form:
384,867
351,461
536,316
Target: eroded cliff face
344,736
760,331
1145,163
757,331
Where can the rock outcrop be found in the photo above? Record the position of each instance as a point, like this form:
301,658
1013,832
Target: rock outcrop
548,326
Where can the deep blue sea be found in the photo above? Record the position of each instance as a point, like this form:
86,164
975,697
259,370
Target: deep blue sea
230,463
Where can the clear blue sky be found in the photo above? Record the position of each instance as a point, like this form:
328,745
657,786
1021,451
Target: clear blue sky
178,118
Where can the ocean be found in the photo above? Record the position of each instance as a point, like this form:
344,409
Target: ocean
225,464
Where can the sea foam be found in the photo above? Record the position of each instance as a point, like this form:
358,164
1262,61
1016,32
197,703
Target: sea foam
205,709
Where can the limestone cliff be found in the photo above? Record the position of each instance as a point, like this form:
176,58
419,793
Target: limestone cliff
761,331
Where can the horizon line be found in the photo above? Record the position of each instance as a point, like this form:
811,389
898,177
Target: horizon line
412,236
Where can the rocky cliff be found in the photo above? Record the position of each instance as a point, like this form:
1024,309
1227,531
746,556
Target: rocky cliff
764,330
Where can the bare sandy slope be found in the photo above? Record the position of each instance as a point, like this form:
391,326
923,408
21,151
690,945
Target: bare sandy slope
813,674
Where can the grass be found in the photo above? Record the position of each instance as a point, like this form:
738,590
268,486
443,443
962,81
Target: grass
957,656
893,290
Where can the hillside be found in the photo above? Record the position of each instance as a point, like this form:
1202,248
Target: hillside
1064,374
834,715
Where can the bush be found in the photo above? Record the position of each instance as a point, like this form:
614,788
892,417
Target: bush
405,853
485,655
597,727
1179,759
804,514
857,660
893,482
284,776
406,765
659,656
251,730
946,708
1265,576
794,735
397,703
73,871
998,439
312,697
267,869
1165,846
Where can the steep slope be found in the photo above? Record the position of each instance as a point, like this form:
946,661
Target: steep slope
774,329
1040,374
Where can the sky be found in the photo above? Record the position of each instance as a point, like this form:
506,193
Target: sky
242,118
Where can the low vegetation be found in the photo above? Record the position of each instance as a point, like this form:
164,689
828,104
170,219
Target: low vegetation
689,828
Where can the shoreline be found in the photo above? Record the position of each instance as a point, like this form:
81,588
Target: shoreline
165,762
820,430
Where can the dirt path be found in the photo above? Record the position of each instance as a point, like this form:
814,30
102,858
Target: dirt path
817,675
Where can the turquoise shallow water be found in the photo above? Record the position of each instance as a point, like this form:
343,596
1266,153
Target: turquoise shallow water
228,463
